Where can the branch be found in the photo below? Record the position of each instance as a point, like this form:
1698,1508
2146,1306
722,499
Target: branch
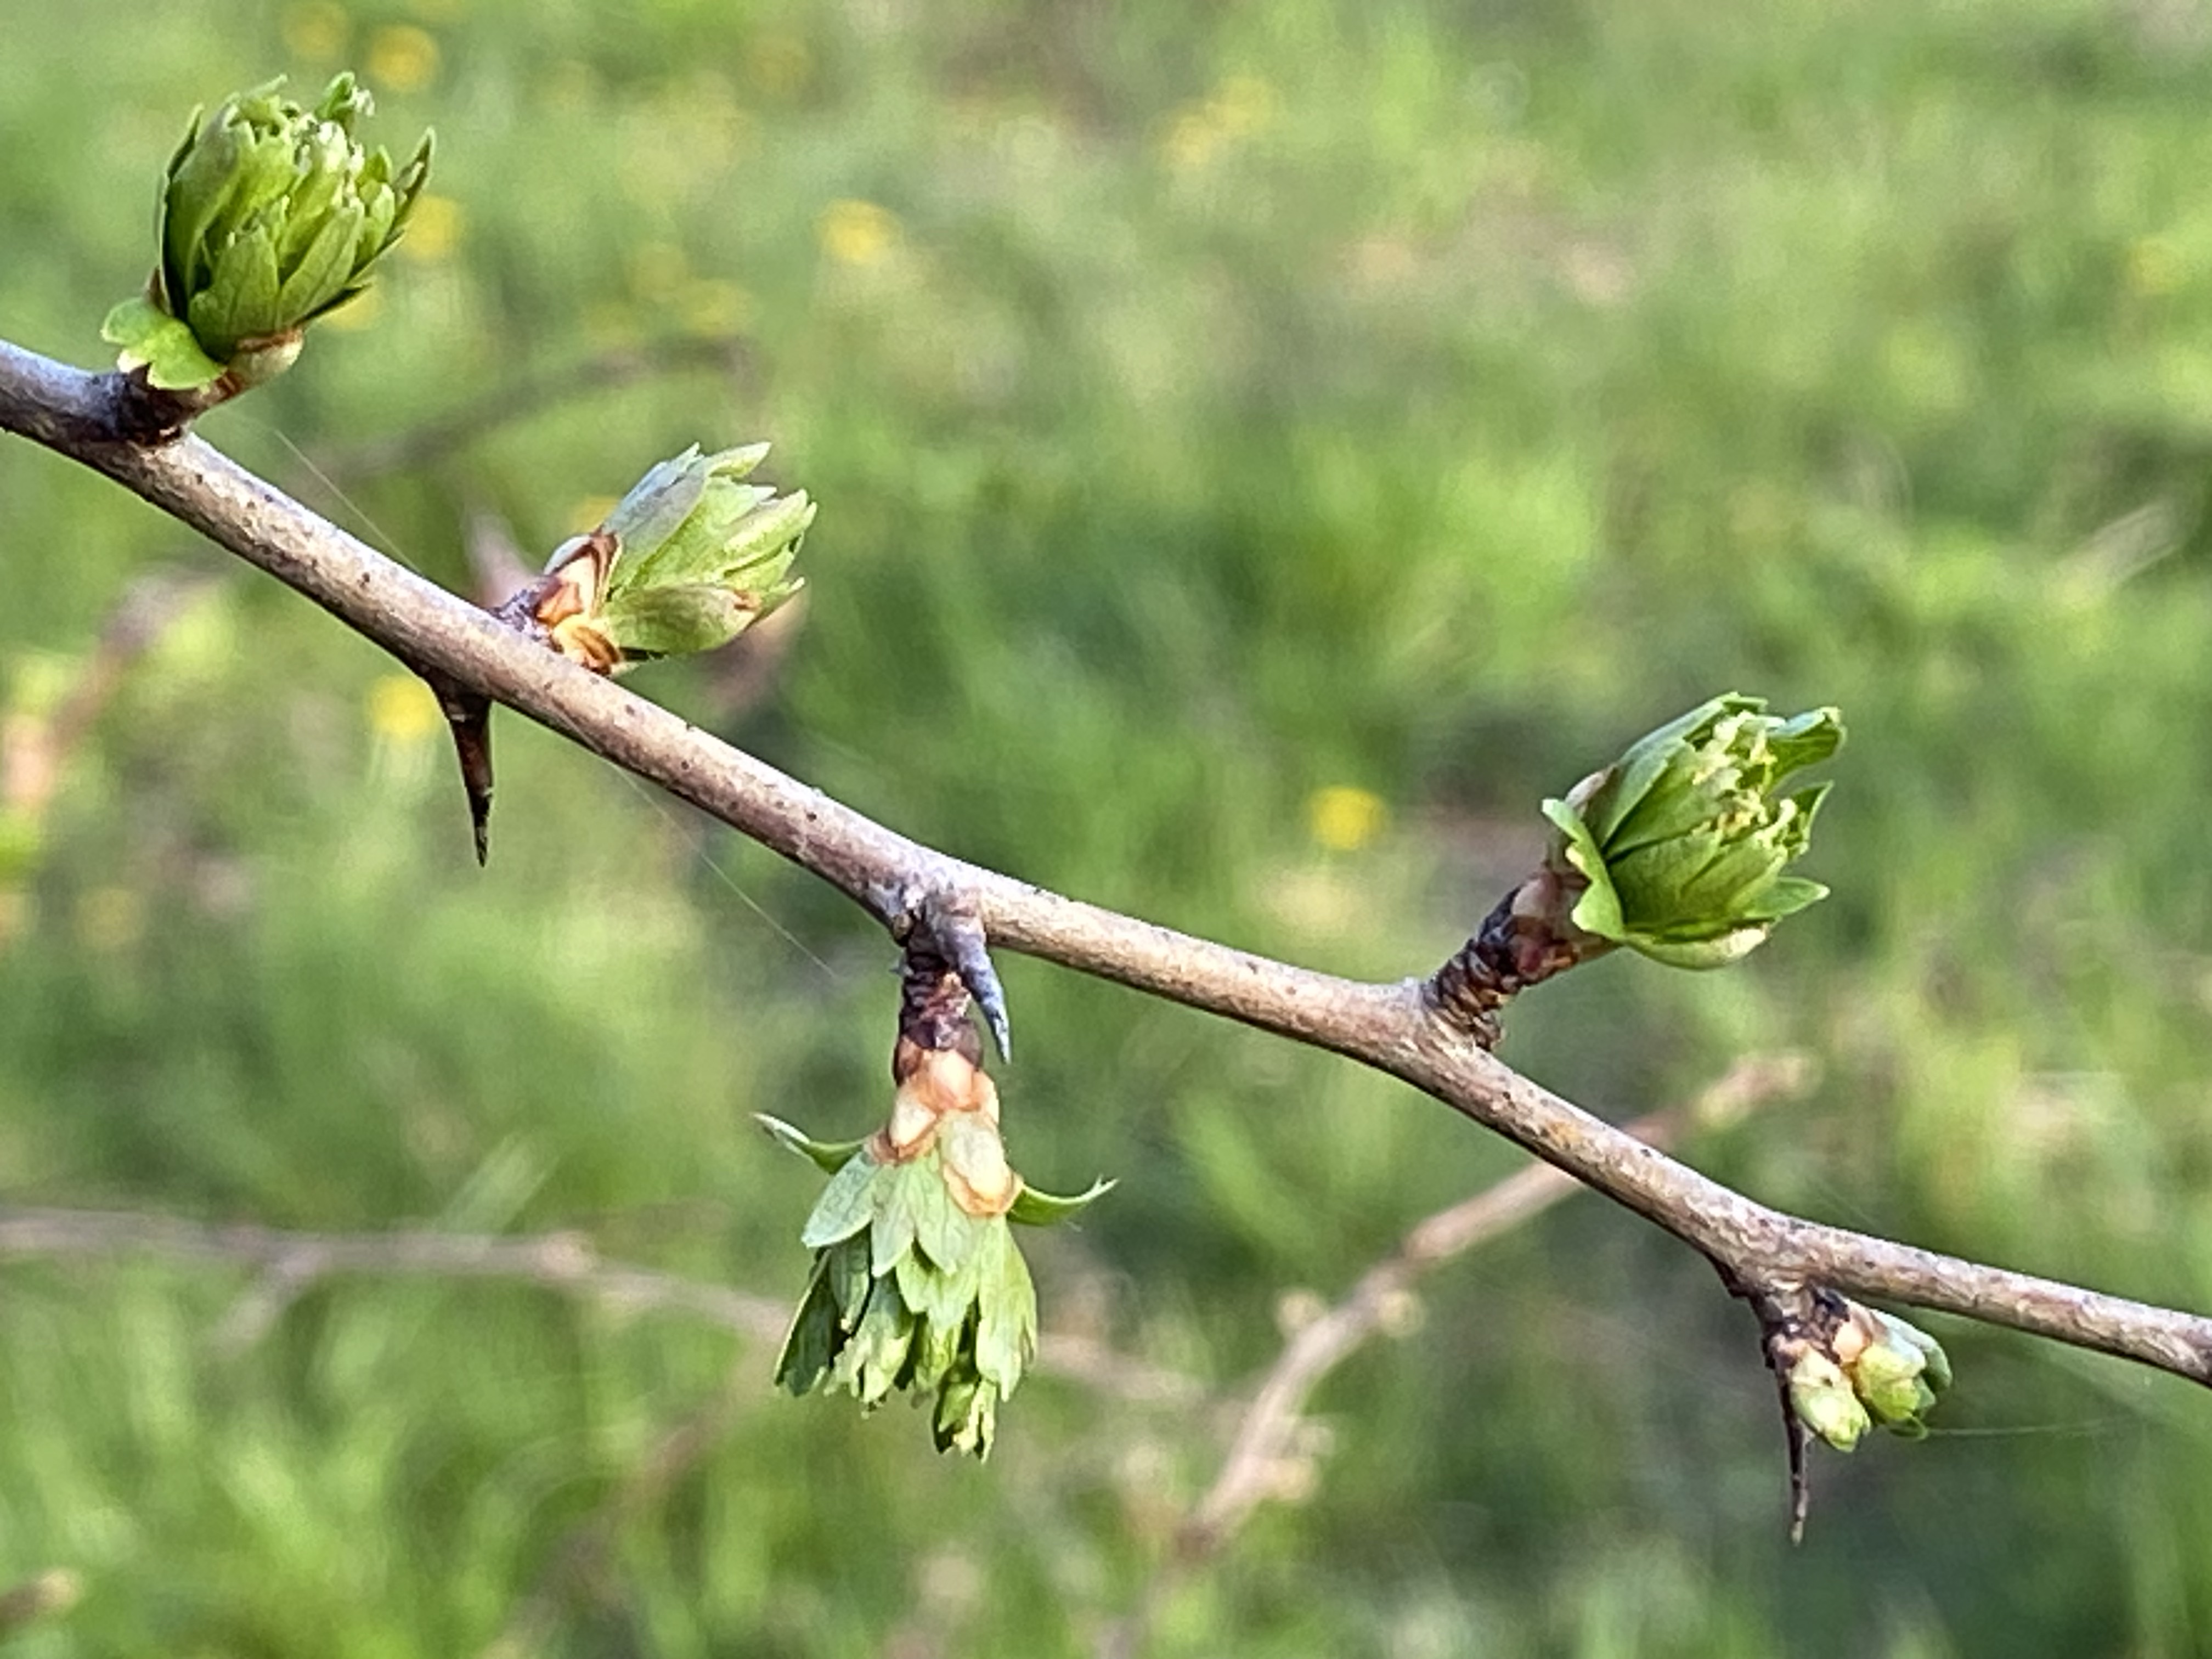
292,1262
1396,1028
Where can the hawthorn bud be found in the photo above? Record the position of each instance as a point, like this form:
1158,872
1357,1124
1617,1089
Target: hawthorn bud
919,1287
1682,842
1866,1367
688,559
1825,1401
271,216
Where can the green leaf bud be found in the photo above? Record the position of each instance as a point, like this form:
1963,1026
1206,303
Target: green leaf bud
1897,1368
1825,1401
271,217
688,561
1683,843
918,1286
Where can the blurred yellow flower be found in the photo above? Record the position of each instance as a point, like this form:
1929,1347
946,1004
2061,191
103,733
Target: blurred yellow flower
1344,818
1239,107
780,64
856,233
1190,140
401,59
402,710
2154,266
433,229
316,30
713,305
1244,103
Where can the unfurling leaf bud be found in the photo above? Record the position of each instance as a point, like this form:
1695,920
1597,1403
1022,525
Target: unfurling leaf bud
919,1287
1825,1401
688,559
271,216
1681,844
1869,1368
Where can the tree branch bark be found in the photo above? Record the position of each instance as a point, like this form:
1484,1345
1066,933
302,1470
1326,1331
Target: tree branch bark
1396,1028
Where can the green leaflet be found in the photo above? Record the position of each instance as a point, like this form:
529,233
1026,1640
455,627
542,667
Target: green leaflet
828,1156
846,1204
164,347
1036,1208
947,1234
891,1234
678,620
810,1343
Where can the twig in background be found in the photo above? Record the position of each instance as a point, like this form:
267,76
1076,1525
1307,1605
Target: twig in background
1265,1457
292,1262
34,748
532,395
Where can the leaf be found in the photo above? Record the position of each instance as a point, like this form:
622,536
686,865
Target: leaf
657,504
828,1156
936,1351
966,1408
943,1297
151,339
1033,1208
240,301
1786,898
766,535
1007,1316
1716,952
947,1234
1648,758
678,619
812,1342
844,1207
871,1361
1598,910
322,272
891,1232
849,1280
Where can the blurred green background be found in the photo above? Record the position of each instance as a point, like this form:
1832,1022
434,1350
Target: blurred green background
1263,449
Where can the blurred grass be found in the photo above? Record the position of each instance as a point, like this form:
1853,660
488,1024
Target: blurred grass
1210,410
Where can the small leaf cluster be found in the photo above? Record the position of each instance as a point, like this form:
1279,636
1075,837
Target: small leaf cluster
911,1293
1876,1370
271,216
688,559
1682,842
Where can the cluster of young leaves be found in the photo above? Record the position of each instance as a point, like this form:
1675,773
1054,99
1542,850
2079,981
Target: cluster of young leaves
271,216
1874,1370
911,1293
701,554
1682,842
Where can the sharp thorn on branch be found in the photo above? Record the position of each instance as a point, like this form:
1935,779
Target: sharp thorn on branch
468,716
941,929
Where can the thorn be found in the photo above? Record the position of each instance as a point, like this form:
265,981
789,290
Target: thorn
1801,1480
468,716
941,921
